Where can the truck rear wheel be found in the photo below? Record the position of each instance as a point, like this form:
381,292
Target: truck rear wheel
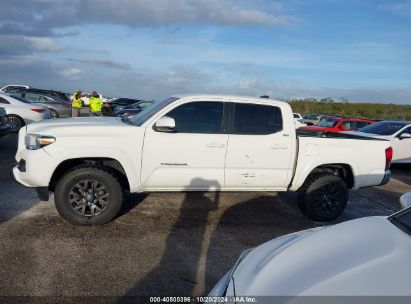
323,197
88,196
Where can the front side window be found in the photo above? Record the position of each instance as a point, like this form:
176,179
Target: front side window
407,130
198,117
348,124
257,119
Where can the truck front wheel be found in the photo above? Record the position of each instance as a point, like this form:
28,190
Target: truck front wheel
88,196
323,197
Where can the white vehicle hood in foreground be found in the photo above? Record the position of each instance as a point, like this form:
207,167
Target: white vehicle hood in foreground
368,256
70,126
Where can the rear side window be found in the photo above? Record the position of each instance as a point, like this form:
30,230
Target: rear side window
253,119
4,101
198,117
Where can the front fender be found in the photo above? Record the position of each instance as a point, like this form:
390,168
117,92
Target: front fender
129,157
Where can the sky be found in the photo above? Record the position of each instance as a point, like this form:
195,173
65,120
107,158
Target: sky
151,49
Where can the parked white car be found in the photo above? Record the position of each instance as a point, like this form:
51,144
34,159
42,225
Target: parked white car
12,86
369,256
195,143
298,120
398,133
297,116
21,112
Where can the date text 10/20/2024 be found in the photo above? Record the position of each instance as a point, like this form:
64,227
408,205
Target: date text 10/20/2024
203,300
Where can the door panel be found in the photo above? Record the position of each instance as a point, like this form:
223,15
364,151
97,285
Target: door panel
192,158
402,148
259,157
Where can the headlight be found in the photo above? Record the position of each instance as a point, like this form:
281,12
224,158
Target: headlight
36,141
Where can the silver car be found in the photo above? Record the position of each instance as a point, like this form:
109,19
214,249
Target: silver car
369,256
58,108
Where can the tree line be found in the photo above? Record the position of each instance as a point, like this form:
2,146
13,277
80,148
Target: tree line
355,110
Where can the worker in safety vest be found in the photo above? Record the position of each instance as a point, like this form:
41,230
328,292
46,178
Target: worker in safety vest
76,104
95,104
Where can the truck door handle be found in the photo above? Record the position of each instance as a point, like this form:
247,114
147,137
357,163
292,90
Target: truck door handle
279,147
215,145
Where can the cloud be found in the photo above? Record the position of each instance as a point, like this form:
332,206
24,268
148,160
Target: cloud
43,18
398,7
104,63
172,80
12,45
71,73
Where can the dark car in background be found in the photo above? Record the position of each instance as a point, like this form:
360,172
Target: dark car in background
134,109
118,104
58,107
4,126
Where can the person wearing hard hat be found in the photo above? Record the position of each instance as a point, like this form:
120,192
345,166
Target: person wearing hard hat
76,104
95,104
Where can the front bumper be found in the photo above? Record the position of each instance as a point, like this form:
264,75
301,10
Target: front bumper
43,193
386,178
34,168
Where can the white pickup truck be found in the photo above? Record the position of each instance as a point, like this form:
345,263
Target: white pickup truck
195,143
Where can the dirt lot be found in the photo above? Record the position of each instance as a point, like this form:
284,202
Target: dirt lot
161,244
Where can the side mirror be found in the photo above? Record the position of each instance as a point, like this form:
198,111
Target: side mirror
342,127
165,124
404,136
405,200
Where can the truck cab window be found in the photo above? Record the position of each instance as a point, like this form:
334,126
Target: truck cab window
198,117
254,119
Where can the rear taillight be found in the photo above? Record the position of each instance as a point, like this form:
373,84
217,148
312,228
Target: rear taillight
39,110
388,158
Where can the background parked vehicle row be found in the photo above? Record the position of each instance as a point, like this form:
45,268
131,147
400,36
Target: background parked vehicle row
21,112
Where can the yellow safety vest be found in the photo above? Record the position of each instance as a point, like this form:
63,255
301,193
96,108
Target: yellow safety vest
95,104
76,103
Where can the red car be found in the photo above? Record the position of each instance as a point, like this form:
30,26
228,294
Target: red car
337,124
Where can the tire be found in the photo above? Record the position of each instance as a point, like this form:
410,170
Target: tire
105,111
54,113
76,203
323,197
16,122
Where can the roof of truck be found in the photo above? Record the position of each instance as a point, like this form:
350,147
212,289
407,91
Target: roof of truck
229,97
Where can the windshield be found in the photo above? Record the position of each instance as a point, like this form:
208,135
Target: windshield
147,112
403,220
328,122
384,128
20,99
